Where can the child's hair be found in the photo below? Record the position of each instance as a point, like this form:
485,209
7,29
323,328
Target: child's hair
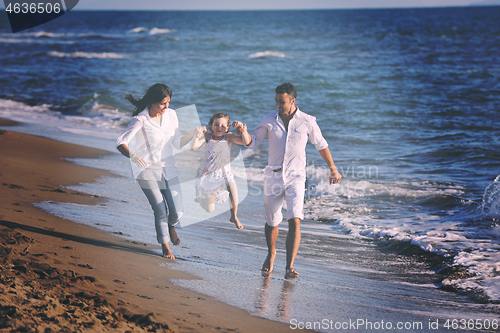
155,94
219,115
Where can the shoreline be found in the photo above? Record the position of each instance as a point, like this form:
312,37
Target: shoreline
60,274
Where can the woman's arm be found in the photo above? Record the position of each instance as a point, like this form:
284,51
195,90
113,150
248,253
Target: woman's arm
125,138
125,150
178,141
186,138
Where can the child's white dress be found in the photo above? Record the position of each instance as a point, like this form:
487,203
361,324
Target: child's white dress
214,173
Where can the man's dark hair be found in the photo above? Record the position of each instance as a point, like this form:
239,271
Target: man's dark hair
287,88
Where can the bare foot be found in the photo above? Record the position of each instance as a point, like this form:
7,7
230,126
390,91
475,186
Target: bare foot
166,252
291,274
267,267
173,235
236,221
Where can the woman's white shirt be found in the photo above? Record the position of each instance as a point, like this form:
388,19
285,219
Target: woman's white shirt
155,143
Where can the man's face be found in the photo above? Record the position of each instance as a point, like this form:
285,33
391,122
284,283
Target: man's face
285,103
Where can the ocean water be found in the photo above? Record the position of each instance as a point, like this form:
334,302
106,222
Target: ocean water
406,98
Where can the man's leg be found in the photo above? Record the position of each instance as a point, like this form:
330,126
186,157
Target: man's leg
271,237
273,202
292,247
295,213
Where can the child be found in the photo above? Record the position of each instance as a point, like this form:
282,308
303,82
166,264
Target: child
214,180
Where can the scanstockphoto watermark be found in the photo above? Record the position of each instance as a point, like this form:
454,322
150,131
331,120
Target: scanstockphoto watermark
357,171
358,176
317,179
359,325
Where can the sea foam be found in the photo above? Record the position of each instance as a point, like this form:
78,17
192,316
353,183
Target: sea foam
88,55
267,54
491,199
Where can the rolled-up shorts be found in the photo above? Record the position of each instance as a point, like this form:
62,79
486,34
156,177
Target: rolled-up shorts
275,193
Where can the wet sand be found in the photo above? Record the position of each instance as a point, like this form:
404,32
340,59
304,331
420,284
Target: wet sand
57,275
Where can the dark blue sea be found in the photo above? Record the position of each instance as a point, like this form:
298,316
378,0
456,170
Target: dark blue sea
408,100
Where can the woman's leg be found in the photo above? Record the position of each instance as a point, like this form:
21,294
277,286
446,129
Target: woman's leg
171,191
154,195
165,249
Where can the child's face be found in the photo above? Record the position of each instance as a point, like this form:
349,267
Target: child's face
220,126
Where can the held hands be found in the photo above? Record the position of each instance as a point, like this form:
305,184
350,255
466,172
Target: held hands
241,130
198,139
240,127
199,131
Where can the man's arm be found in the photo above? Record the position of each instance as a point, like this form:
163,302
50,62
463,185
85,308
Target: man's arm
334,174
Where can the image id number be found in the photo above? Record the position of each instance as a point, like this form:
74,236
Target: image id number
471,324
33,8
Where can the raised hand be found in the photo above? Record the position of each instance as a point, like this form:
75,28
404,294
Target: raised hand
240,127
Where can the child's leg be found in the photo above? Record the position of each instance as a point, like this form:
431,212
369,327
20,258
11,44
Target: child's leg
233,197
208,204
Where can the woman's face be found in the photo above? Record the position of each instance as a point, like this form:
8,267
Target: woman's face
220,126
159,108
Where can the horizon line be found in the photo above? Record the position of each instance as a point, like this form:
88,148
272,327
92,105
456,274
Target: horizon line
288,9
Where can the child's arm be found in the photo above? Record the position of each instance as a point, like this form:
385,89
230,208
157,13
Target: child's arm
243,138
199,139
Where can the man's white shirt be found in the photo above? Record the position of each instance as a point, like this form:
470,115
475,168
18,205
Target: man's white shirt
287,149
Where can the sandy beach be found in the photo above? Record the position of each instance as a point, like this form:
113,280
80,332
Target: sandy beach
57,275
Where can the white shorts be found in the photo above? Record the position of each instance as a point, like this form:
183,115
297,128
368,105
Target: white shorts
275,193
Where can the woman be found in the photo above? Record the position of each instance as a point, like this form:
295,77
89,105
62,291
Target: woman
155,130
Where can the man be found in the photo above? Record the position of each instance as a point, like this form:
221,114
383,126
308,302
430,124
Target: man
288,129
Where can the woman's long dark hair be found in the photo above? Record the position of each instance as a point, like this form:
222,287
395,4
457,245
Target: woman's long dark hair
155,94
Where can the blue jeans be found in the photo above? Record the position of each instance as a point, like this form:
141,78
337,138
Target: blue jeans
165,198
